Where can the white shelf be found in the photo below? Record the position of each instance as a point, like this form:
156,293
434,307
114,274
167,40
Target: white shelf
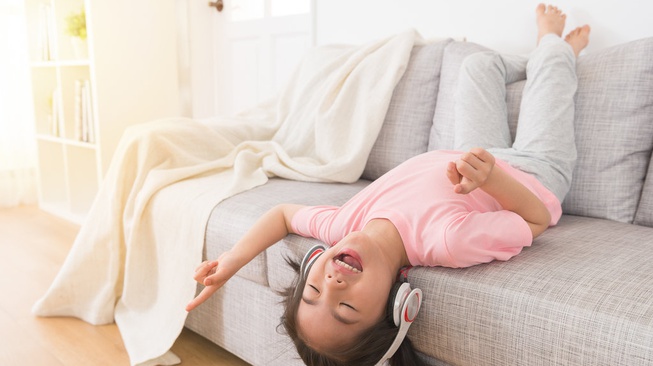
65,141
128,75
64,63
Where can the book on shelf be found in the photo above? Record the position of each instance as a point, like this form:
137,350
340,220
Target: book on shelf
46,32
84,130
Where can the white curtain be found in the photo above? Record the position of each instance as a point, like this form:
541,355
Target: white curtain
17,150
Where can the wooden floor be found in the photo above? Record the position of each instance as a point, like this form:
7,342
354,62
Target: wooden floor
33,246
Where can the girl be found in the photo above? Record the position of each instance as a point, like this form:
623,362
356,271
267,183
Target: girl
441,208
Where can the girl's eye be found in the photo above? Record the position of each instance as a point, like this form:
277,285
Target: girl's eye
315,288
347,305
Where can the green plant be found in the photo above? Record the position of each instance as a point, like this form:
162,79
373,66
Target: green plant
76,24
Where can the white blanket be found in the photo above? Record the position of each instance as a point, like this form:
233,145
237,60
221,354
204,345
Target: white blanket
133,259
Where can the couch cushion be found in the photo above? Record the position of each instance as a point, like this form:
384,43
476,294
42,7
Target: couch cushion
231,218
645,209
405,131
614,125
442,131
614,131
580,295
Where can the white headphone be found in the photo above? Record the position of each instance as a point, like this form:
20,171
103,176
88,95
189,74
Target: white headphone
403,303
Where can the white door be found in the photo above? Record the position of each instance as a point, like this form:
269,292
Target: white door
239,56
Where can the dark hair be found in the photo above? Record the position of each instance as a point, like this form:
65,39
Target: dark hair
367,350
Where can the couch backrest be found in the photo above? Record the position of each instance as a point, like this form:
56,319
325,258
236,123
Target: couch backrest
405,131
644,214
614,128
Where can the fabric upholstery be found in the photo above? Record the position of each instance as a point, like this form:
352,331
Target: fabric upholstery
645,209
405,131
570,299
242,317
614,129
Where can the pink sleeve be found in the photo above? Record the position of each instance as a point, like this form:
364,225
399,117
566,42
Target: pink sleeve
478,237
314,222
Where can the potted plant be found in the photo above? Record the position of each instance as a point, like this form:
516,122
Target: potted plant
76,29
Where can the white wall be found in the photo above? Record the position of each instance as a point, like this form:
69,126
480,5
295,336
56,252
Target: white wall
504,25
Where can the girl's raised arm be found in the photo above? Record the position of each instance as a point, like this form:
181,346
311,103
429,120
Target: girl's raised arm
273,226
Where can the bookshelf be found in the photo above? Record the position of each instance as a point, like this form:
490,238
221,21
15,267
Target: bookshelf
84,98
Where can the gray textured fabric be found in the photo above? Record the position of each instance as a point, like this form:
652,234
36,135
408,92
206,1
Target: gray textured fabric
614,131
442,131
513,101
234,216
645,209
581,295
242,317
405,131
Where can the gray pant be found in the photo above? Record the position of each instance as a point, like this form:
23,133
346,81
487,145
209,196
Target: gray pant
544,144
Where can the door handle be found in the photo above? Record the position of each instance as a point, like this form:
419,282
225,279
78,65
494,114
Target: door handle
218,5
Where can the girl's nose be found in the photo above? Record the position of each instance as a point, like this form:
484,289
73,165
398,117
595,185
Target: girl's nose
334,281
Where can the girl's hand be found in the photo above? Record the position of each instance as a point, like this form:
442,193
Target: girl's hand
213,275
471,171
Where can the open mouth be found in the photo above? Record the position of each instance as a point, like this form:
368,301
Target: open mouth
348,262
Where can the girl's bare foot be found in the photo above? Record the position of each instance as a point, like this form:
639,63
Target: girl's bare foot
550,19
579,38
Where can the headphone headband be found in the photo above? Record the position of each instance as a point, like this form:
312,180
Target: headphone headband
407,313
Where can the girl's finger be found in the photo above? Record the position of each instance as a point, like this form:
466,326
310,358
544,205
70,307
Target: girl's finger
204,269
201,265
203,296
452,173
472,160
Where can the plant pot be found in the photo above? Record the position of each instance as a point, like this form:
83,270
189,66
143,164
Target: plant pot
80,48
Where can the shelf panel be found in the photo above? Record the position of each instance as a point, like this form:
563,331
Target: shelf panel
70,168
52,180
65,141
62,63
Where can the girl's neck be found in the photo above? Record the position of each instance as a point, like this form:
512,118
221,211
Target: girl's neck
387,236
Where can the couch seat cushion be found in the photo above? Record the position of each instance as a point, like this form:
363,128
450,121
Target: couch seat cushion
581,295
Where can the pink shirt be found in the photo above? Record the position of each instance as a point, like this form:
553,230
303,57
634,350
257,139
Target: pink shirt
438,227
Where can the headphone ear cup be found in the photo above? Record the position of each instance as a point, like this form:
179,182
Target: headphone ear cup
396,300
390,306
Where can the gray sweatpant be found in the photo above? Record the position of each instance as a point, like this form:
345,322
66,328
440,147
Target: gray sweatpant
544,144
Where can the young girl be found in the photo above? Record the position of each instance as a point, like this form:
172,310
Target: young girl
441,208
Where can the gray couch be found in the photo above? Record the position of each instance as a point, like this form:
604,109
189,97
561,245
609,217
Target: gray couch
582,294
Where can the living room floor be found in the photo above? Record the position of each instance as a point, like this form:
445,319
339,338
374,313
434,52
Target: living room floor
33,246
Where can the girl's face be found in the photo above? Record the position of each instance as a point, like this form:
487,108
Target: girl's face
346,293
